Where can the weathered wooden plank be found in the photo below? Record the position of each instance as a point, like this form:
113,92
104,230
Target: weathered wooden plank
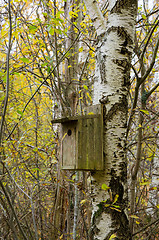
69,145
98,132
79,155
90,144
74,118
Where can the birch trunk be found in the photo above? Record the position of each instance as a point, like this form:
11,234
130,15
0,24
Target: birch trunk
111,86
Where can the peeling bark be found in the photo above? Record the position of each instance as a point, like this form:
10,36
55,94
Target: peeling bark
112,80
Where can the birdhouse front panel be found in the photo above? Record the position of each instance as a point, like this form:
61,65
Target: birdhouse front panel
90,144
82,140
69,145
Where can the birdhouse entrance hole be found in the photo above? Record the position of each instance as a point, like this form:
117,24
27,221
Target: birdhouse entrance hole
69,132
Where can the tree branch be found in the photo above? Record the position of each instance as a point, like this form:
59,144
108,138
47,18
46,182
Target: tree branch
7,83
144,228
152,63
152,90
13,210
148,40
96,16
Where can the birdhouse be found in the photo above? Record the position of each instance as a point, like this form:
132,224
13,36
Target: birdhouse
82,140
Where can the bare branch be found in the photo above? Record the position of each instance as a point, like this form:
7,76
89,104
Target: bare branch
148,40
152,90
7,83
152,63
13,210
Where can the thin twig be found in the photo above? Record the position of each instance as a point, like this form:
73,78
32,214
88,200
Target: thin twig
144,228
7,83
152,63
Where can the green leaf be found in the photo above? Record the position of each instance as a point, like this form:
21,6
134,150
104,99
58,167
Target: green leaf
16,73
45,14
51,31
25,60
2,74
20,112
35,149
85,87
105,187
143,16
33,28
116,206
44,64
144,183
36,169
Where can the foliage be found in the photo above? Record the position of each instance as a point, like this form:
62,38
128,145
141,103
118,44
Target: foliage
32,189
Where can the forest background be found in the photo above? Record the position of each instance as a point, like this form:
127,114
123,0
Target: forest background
41,43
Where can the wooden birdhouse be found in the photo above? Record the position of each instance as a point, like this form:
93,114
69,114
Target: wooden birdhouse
82,140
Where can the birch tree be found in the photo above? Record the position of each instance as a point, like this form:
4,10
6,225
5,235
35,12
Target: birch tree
112,80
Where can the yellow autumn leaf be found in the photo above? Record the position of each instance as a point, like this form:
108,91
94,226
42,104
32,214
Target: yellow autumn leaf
144,183
116,198
116,209
73,14
64,136
89,96
113,236
107,205
82,202
134,216
83,25
81,49
61,237
145,111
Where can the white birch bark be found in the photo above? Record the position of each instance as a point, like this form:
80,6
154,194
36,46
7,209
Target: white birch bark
113,59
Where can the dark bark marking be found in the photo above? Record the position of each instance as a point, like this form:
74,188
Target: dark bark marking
122,4
102,68
123,34
103,72
123,171
116,188
124,50
124,64
119,218
117,107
